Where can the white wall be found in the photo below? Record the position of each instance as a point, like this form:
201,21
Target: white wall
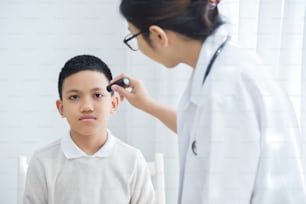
36,38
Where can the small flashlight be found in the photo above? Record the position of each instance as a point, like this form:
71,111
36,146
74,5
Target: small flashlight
121,82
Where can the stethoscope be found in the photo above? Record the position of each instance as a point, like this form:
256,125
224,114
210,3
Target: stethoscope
209,66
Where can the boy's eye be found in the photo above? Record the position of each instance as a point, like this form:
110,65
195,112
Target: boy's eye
74,97
98,95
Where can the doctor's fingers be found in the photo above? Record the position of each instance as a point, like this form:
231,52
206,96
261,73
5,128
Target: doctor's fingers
135,85
121,91
136,94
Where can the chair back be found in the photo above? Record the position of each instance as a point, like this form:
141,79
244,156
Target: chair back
158,177
21,177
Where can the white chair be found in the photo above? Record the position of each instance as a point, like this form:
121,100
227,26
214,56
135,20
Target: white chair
158,177
21,177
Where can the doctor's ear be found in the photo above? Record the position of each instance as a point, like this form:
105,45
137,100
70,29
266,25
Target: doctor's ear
60,107
159,35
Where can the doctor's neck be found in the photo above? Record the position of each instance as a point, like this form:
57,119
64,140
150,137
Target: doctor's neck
188,51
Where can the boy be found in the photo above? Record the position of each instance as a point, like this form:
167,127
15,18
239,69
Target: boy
89,165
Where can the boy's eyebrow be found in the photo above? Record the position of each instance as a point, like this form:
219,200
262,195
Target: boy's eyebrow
78,91
96,89
72,91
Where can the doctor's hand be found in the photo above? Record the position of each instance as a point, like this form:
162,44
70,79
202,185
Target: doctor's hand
138,96
135,93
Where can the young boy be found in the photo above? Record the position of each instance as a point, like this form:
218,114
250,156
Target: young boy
89,165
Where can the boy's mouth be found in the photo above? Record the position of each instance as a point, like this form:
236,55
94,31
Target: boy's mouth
87,118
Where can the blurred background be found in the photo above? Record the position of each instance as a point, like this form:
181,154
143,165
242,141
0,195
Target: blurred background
37,37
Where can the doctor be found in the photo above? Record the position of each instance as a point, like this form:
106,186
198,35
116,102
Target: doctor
238,135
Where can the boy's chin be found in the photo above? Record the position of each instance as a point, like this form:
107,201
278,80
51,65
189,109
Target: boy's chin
87,132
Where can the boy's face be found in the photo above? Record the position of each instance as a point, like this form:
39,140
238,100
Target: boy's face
86,103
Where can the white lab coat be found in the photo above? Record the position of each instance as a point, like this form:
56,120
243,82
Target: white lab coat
246,134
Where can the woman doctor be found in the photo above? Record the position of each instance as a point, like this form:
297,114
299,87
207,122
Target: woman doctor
237,132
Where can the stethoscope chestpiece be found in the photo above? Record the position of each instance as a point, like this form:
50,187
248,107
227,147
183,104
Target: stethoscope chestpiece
194,147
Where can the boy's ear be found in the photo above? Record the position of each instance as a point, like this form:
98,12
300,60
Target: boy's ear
159,35
60,107
115,103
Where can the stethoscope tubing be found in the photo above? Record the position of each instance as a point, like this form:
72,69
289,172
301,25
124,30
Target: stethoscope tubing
208,69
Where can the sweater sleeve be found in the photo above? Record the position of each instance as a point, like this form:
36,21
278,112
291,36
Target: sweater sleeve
141,185
36,187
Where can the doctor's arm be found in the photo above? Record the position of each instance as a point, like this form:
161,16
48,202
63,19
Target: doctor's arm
141,99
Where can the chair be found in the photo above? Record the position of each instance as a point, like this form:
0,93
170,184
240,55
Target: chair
158,177
21,176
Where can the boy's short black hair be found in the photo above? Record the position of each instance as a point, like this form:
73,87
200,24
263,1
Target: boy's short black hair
82,63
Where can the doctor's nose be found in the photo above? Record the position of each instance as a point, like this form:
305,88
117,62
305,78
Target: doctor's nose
87,106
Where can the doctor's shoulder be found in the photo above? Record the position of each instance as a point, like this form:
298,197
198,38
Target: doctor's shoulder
240,62
234,65
240,73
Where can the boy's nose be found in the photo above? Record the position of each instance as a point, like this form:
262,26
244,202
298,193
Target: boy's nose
87,106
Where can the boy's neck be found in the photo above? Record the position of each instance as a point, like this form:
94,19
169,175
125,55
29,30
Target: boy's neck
89,144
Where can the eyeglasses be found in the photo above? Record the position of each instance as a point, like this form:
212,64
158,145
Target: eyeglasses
132,44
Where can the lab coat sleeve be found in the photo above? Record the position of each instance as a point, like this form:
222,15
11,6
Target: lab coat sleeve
35,188
141,186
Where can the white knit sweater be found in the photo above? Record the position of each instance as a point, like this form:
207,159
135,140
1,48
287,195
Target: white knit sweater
62,174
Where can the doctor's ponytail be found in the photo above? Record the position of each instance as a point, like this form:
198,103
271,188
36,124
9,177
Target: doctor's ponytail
195,19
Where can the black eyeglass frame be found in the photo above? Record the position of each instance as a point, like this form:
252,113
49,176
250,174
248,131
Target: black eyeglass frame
130,37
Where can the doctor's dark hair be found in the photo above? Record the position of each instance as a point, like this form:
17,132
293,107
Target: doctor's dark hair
196,19
82,63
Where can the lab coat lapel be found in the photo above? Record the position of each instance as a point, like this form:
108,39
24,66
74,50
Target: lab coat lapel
208,49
